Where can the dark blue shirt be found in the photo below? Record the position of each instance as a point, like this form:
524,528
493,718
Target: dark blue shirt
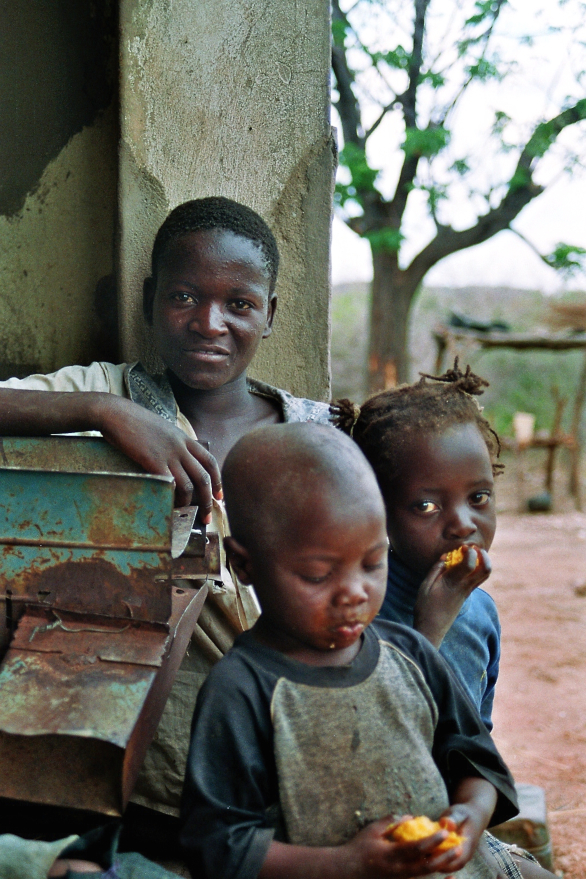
472,645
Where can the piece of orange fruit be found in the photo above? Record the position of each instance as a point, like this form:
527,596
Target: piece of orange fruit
456,556
420,828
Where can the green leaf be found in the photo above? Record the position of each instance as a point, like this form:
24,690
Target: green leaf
436,80
484,9
567,258
460,166
427,142
484,70
501,120
362,175
398,58
435,194
385,239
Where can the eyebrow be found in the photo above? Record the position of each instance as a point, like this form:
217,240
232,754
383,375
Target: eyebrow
438,490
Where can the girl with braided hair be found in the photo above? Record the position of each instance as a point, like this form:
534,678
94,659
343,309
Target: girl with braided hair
435,458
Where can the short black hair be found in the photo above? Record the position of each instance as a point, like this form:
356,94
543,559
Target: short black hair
217,212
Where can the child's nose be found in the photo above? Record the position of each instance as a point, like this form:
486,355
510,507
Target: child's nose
461,523
209,320
353,591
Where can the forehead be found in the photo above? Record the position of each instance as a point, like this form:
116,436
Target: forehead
322,515
214,250
457,453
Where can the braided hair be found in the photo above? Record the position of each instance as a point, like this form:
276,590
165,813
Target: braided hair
216,212
385,424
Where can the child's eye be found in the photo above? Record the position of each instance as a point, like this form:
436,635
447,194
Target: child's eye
426,507
315,578
374,566
480,498
183,298
241,305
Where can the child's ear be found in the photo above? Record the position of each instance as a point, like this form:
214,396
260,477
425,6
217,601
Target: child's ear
240,560
270,316
148,295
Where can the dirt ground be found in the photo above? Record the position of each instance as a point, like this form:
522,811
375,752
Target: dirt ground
539,585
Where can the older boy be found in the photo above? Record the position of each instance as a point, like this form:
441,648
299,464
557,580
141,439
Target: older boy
317,726
210,301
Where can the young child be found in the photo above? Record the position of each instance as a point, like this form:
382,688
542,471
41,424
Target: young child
318,729
435,458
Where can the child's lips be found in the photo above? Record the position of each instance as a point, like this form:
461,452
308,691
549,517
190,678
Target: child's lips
207,355
350,628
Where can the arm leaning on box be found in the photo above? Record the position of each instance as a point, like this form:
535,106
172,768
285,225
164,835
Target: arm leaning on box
78,399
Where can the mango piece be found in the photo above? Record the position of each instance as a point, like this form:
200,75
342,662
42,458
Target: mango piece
456,556
420,828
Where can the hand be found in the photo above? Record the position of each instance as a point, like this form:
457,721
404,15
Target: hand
474,801
162,449
442,593
468,822
375,855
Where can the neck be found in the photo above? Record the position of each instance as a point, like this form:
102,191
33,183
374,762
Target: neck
231,399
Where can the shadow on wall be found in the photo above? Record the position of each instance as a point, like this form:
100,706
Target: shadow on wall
58,70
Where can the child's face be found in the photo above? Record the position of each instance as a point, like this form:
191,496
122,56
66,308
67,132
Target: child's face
443,497
211,307
323,580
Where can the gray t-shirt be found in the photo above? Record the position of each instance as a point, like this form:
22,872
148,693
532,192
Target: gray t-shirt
282,750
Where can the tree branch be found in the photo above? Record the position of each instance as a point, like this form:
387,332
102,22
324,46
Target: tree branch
521,191
530,245
347,106
408,101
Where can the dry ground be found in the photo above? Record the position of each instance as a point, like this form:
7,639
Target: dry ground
539,567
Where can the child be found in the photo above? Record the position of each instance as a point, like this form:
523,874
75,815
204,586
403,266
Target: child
435,458
210,300
318,727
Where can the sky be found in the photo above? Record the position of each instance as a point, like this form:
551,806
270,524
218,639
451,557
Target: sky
545,73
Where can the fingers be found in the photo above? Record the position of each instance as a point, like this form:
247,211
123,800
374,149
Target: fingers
469,573
209,464
457,816
422,856
198,480
435,573
484,563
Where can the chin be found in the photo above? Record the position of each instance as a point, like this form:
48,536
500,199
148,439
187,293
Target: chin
201,381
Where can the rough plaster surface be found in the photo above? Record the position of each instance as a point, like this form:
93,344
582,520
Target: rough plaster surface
231,97
57,72
54,251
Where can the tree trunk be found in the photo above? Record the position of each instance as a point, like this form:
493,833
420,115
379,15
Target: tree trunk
392,293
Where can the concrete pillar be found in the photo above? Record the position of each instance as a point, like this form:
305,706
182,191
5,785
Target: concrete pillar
231,97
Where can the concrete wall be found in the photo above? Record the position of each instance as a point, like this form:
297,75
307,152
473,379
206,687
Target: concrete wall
58,180
224,97
231,97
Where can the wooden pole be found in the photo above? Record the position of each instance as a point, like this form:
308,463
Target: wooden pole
575,455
